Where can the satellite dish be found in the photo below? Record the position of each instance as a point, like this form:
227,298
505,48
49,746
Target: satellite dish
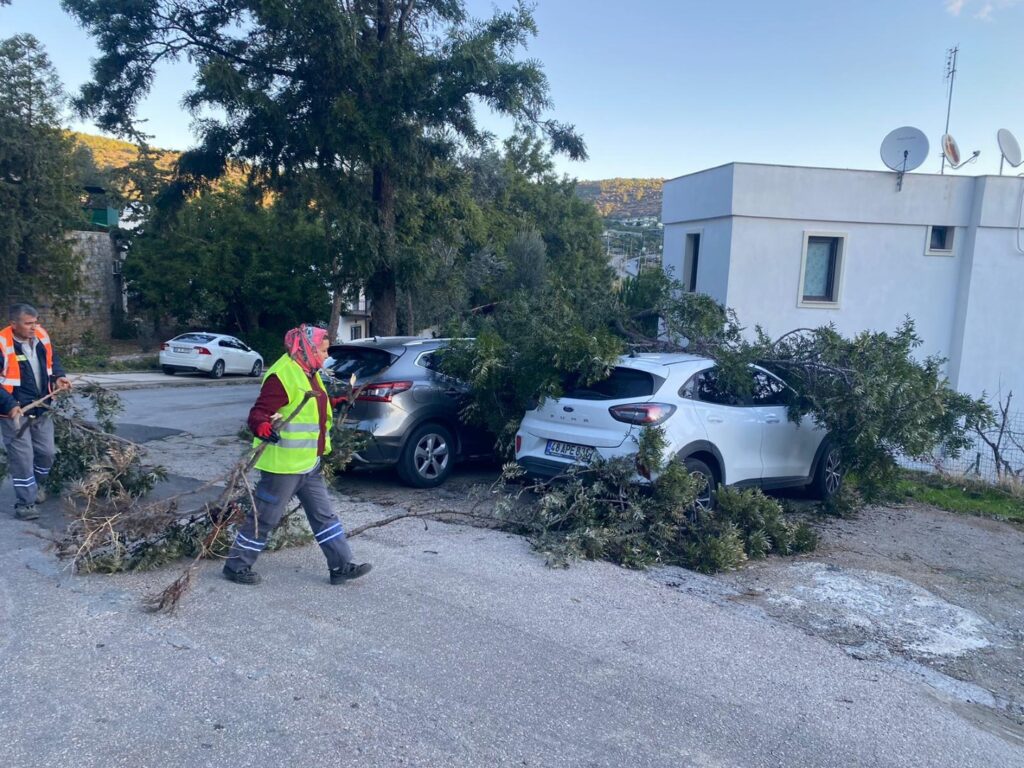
904,149
951,151
1009,147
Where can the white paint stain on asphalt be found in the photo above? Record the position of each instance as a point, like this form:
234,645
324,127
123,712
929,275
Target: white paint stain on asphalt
877,607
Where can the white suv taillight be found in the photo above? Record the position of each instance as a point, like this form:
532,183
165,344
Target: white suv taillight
646,414
383,391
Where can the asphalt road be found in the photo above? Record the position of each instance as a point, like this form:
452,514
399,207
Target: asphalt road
212,410
460,649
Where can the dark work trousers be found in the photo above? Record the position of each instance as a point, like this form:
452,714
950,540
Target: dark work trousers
273,492
29,457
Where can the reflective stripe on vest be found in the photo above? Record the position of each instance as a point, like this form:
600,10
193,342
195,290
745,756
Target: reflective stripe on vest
296,453
12,370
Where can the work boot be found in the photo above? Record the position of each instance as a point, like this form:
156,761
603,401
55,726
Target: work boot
26,512
245,576
41,495
349,571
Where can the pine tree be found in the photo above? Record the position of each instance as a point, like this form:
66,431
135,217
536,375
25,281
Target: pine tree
39,186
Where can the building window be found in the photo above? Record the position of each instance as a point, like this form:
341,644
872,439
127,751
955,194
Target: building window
940,241
821,273
690,261
357,332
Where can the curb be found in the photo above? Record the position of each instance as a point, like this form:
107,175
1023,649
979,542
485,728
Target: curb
170,383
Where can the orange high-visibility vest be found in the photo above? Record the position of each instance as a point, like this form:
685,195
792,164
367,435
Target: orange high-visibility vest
12,370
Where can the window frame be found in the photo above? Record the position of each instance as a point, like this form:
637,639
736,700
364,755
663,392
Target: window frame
427,355
837,270
929,251
691,259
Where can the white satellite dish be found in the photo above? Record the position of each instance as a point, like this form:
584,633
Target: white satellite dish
904,150
1009,147
951,151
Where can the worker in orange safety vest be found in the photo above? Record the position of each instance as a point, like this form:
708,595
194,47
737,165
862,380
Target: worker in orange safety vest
31,370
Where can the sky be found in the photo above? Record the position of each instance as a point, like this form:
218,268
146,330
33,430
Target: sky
662,88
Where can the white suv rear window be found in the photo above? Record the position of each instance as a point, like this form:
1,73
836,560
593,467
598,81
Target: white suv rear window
624,383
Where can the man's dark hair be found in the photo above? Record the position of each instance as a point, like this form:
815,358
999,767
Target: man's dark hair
18,311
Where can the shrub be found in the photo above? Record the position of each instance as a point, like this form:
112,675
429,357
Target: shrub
600,512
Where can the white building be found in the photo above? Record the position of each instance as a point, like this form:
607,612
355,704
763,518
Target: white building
791,247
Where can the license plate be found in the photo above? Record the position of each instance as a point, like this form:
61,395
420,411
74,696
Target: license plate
580,453
182,350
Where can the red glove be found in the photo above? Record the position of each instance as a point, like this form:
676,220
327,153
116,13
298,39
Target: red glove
264,430
336,401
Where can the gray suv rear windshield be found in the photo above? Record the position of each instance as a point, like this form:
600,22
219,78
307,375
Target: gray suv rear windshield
361,361
623,383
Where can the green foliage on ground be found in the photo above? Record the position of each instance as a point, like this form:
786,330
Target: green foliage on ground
601,512
81,424
188,537
964,495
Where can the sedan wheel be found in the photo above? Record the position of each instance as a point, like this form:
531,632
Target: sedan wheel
218,370
257,369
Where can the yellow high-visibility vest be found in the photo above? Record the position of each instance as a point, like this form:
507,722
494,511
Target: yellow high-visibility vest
296,452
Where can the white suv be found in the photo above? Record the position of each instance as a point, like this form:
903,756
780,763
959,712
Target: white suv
731,440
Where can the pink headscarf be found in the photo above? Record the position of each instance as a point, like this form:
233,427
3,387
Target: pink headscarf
301,344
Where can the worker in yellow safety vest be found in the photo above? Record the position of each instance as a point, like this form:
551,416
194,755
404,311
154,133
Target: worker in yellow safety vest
290,462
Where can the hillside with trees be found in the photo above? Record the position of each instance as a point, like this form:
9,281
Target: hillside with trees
113,155
623,198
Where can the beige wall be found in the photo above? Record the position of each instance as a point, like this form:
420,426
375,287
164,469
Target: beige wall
101,288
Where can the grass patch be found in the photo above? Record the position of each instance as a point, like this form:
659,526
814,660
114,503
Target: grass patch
964,495
102,364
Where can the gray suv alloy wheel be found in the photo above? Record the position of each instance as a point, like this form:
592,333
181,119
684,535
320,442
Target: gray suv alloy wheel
427,458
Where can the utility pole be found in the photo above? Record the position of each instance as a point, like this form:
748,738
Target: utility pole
950,76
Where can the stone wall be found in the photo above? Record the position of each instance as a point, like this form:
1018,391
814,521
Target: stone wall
101,289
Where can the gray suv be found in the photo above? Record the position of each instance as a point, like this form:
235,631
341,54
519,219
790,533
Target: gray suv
408,410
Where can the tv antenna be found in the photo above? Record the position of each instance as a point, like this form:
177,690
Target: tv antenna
1009,148
904,150
951,54
951,152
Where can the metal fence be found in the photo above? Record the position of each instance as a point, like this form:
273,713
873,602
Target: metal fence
980,460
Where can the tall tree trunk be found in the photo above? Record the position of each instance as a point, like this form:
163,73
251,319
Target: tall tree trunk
337,302
382,287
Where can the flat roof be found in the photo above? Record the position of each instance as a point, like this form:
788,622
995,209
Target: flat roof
885,171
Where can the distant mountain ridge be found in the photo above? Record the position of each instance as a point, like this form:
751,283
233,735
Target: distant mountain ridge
617,198
110,153
623,198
